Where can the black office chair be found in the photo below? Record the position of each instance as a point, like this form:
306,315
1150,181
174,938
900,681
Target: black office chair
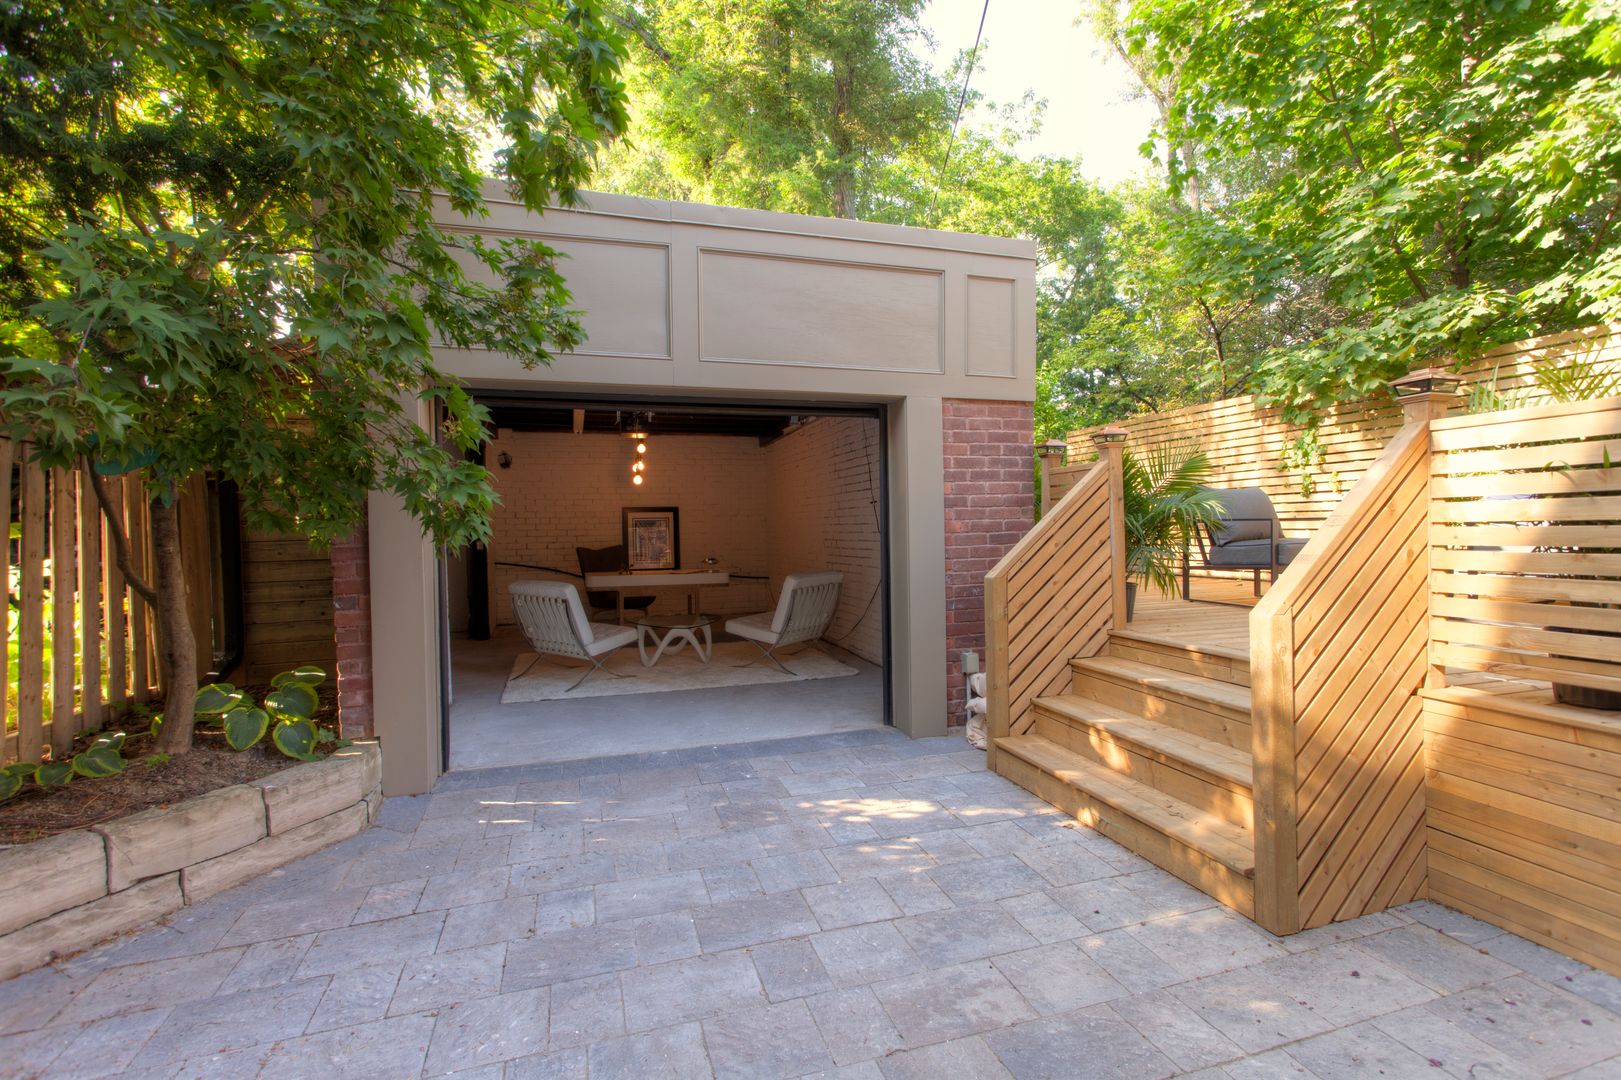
608,560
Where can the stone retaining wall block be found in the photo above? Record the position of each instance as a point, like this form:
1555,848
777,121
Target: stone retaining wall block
160,840
38,880
76,929
218,874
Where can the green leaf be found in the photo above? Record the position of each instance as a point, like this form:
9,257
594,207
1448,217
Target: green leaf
244,727
112,739
296,739
217,698
10,784
98,761
24,769
53,774
292,699
309,675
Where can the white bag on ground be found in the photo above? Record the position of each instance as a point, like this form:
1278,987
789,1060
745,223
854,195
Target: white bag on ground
976,729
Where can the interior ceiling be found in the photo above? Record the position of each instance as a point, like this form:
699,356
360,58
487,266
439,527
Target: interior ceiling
599,421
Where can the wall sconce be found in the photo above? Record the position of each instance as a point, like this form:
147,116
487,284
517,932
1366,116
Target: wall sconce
504,460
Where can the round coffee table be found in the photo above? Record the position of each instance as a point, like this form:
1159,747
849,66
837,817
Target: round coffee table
678,630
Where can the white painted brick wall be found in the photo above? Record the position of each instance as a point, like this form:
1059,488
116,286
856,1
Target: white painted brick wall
824,516
806,502
565,491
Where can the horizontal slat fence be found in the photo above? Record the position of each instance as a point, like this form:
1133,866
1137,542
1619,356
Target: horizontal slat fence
1336,658
1245,440
1525,818
1049,600
1525,523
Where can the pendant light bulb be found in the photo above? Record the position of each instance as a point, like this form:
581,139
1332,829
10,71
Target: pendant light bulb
637,479
641,448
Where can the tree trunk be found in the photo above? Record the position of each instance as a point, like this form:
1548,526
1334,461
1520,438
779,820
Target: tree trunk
177,648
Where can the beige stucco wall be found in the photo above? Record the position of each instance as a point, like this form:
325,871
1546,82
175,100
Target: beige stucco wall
706,302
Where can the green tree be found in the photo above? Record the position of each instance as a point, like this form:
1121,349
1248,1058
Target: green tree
1446,176
218,250
774,104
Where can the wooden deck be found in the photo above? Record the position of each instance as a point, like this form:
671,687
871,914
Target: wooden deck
1218,617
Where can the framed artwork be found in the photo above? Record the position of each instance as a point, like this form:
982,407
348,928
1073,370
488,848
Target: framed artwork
652,537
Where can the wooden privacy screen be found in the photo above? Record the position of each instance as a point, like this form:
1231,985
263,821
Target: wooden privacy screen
1525,523
1047,602
1245,441
79,644
1337,656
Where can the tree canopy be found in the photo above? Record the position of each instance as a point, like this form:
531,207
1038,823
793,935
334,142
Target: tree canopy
775,104
218,247
1448,176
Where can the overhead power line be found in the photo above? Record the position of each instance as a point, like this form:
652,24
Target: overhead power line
962,99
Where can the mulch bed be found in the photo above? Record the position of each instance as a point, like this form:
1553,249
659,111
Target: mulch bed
37,812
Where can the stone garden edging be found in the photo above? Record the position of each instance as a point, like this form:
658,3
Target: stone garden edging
65,893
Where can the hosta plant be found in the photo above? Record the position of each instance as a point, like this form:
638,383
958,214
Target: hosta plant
286,714
103,757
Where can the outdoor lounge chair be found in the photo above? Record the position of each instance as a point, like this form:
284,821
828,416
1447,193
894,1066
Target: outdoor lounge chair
553,619
803,612
1250,537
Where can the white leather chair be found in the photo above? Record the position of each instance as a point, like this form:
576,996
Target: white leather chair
803,612
554,621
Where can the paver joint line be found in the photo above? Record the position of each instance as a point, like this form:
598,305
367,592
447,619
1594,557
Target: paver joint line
856,905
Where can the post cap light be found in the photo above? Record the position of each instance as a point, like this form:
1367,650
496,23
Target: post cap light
1052,448
1110,436
1427,380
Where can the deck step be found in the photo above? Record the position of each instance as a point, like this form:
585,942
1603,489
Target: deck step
1215,759
1212,776
1204,706
1203,849
1211,661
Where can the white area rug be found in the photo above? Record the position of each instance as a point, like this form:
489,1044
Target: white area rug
551,677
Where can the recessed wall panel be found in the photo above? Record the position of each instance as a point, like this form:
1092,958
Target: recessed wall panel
624,291
992,326
761,309
621,289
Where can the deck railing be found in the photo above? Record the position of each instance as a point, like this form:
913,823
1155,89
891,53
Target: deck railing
1337,657
1525,523
1054,596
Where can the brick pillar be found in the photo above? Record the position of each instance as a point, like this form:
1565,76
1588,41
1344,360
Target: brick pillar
990,504
351,616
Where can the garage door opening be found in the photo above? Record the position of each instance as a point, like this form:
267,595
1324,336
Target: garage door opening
665,575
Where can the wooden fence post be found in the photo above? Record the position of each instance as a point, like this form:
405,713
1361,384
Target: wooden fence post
1049,455
1425,396
1111,444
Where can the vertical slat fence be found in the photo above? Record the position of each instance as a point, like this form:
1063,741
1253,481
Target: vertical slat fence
67,659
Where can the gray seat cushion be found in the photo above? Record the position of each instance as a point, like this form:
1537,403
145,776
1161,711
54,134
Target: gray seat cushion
1248,515
1254,554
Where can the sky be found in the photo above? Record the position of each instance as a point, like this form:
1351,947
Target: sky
1036,45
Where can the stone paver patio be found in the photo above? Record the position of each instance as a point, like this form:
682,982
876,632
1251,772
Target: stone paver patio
845,906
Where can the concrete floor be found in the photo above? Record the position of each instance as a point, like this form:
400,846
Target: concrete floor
485,733
859,906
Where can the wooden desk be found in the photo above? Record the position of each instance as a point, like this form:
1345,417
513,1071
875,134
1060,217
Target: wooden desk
688,581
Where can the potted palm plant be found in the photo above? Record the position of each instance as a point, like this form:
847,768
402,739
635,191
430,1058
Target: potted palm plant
1166,502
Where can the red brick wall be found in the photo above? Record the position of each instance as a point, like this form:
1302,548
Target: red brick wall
990,504
351,616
